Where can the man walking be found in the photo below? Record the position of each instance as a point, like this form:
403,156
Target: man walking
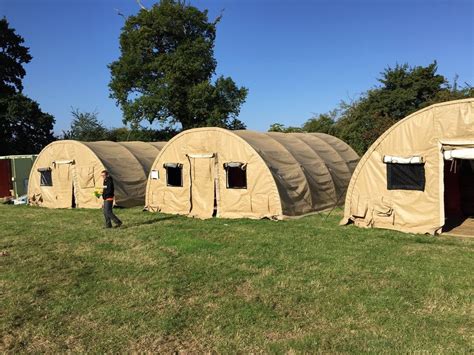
108,197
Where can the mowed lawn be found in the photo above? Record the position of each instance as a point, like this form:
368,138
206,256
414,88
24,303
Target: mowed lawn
168,283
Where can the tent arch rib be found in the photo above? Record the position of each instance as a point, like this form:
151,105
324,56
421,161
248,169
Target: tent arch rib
336,165
332,190
144,152
344,150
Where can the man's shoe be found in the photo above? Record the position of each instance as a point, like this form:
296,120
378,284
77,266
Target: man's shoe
118,225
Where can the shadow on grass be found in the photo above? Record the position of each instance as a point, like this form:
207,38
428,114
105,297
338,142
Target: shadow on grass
151,221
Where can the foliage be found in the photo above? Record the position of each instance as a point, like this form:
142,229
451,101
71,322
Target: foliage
24,128
12,57
279,127
140,134
166,284
403,90
323,123
86,127
165,69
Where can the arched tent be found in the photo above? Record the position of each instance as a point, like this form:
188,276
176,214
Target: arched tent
419,175
66,173
232,174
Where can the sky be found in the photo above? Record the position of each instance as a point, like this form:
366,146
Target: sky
297,58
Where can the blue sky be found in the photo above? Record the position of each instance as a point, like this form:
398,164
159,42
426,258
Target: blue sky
296,57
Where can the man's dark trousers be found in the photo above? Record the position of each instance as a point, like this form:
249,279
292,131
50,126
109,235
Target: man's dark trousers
109,214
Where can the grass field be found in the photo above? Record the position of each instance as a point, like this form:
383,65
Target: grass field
167,283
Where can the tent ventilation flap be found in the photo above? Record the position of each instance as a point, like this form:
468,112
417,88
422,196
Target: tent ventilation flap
242,166
402,160
172,165
467,153
57,162
201,156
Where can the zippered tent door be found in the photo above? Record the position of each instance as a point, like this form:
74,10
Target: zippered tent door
63,184
202,185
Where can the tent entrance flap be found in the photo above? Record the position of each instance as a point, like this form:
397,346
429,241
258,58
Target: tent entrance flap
202,185
466,153
63,184
459,197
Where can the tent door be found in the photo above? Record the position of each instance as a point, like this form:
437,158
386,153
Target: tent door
63,184
459,196
202,185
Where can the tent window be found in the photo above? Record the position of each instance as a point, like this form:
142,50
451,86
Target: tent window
45,177
236,175
406,176
174,174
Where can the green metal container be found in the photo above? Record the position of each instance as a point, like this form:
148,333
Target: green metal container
20,172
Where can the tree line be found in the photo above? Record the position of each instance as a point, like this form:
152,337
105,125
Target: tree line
402,90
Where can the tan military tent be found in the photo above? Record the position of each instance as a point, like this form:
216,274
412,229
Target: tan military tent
212,171
67,172
419,175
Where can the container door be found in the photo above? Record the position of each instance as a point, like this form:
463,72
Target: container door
203,192
5,178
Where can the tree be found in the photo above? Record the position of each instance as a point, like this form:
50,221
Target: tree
165,69
86,127
279,127
12,57
323,123
404,90
24,128
140,134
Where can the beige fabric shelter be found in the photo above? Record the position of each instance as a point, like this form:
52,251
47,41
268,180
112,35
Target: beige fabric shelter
67,172
408,152
235,174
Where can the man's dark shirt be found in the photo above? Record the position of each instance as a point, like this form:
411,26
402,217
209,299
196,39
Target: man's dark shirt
108,191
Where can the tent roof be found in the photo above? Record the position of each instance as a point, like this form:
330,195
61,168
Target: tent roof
145,152
118,161
312,171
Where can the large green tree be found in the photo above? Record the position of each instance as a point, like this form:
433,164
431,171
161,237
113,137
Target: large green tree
12,57
24,128
165,70
403,90
86,127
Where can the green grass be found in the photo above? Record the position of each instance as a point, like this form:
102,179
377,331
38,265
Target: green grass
167,283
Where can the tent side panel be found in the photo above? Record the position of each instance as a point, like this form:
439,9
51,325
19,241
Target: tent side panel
127,172
323,194
158,145
345,151
336,165
291,182
145,153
